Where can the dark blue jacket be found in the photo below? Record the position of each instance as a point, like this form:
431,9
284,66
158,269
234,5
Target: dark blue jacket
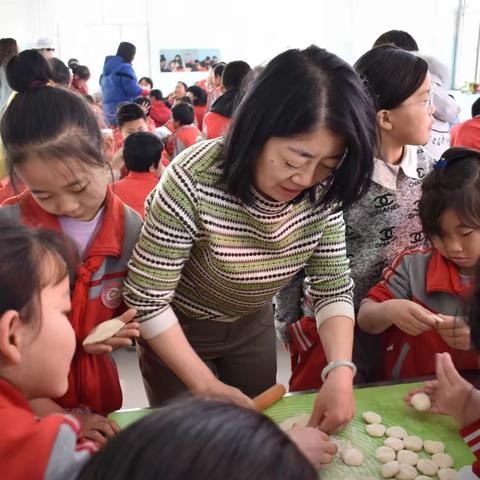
119,84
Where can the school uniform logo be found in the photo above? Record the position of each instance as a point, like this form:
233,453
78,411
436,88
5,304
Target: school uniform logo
111,295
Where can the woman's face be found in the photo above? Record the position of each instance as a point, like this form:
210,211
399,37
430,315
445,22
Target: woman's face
287,166
180,90
411,122
144,84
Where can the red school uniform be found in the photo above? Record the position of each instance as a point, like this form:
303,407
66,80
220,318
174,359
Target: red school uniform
200,111
93,379
425,277
34,448
466,134
214,125
135,188
184,137
160,113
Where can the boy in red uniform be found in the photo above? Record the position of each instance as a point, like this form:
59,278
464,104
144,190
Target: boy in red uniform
141,152
467,134
185,132
159,112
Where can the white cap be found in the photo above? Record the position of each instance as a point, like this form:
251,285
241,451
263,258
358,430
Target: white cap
44,42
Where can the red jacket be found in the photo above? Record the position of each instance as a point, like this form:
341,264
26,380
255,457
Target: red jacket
134,189
424,277
159,112
184,137
200,111
214,125
33,448
466,134
96,296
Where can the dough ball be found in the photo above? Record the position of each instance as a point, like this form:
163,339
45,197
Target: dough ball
421,402
408,457
407,472
300,420
428,467
385,454
397,432
394,443
423,477
447,474
413,443
443,460
390,469
352,457
431,446
376,430
372,417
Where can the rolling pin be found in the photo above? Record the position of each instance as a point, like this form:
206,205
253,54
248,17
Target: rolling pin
269,397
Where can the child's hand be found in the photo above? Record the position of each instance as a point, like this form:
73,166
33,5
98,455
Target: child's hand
123,338
409,317
455,332
96,427
314,444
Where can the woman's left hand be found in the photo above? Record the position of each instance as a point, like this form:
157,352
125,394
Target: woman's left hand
334,405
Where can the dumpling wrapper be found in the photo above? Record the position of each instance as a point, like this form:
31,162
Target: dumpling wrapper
299,420
104,331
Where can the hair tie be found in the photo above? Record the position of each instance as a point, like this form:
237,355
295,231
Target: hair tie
442,163
38,83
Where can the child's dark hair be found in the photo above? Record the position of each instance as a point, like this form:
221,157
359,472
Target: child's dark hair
476,108
454,183
30,260
399,38
183,113
156,94
148,80
145,103
234,73
141,151
129,111
200,95
81,71
217,440
391,75
218,69
27,69
127,51
185,99
61,73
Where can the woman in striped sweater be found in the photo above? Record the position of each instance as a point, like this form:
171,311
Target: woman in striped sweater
232,221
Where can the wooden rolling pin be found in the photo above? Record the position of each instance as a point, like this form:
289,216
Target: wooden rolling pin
269,397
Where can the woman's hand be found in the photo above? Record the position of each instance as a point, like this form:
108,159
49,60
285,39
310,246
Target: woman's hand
455,332
96,427
410,317
334,405
218,390
123,338
314,444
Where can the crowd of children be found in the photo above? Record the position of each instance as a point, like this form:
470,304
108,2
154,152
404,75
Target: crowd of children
120,202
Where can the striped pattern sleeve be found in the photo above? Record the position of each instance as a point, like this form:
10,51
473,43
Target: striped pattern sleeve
162,250
328,283
471,436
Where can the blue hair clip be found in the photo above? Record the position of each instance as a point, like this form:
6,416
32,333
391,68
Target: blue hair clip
442,163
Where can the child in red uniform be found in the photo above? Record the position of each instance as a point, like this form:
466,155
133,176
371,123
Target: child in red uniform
185,133
146,105
467,134
141,152
81,75
57,154
199,99
160,112
131,118
37,343
417,304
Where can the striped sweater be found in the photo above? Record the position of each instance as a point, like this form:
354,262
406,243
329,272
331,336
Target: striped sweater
211,257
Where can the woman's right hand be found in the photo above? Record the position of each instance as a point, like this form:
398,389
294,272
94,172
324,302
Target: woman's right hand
98,428
410,317
218,390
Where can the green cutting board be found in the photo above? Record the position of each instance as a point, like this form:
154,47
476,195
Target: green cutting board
387,401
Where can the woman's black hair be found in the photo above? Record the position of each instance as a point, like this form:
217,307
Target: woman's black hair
61,73
129,111
391,75
454,183
81,71
218,69
399,38
298,92
476,108
148,80
216,440
28,69
127,51
234,73
8,49
183,113
142,150
185,99
144,102
24,253
200,95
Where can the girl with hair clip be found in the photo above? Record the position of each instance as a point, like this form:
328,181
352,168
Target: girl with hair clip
37,343
53,145
81,75
384,221
417,304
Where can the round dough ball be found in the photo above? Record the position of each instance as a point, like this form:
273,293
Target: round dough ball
390,469
394,443
443,460
413,443
408,457
421,402
447,474
372,417
397,432
376,429
428,467
385,454
352,457
431,446
423,477
407,472
300,420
